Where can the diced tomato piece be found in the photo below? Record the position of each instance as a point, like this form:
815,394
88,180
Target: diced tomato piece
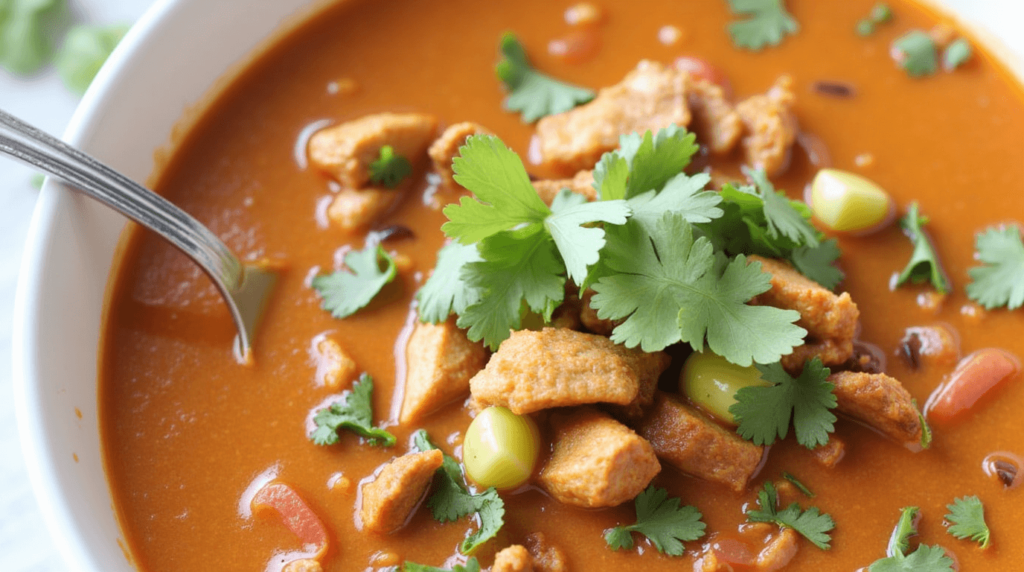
294,512
975,376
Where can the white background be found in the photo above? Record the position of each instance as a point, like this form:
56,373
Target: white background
25,544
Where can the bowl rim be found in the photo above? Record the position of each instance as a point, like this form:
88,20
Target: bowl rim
40,460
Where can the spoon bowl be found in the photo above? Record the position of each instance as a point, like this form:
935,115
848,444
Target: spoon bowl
245,287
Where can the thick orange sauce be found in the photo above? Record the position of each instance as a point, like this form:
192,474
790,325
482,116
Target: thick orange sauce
186,429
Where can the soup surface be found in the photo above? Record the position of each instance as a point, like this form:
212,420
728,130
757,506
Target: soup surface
188,431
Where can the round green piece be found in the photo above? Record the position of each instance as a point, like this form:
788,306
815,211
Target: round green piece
500,448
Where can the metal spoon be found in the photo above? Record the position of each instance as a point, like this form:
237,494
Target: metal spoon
244,287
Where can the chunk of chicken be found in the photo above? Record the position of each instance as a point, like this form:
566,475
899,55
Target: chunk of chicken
880,402
513,558
686,439
335,369
353,210
557,367
770,127
648,98
830,320
597,461
440,362
345,151
581,184
715,120
388,500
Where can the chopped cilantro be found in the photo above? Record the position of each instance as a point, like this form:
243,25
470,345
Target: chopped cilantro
662,521
924,559
782,217
956,54
916,53
967,516
532,93
25,39
472,565
452,501
644,163
924,262
768,24
525,247
880,14
800,486
390,168
999,281
445,292
764,413
926,430
817,262
810,523
355,413
670,287
347,291
85,49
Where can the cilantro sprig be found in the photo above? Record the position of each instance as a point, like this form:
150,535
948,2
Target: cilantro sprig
527,250
451,499
924,263
532,93
349,290
662,521
764,413
768,23
668,273
967,516
445,292
472,565
999,281
924,559
354,413
812,524
390,168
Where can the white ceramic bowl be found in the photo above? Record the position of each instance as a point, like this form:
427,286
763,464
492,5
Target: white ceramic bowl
169,60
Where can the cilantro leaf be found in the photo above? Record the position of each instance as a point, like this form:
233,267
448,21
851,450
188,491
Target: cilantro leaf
683,195
472,565
968,517
347,291
899,542
662,521
580,246
652,276
999,281
956,54
504,199
810,523
924,559
451,501
532,93
915,52
768,24
25,40
390,168
924,263
445,291
818,262
763,413
650,162
518,266
780,213
83,53
355,413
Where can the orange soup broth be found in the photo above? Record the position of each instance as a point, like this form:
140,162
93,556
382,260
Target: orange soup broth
186,429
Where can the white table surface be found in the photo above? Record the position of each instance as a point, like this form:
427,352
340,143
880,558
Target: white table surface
25,544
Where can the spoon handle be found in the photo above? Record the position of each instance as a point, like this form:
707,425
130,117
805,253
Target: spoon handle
47,153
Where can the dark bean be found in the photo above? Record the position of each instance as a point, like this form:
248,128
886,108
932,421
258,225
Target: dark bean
866,358
834,88
910,348
390,234
1006,471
